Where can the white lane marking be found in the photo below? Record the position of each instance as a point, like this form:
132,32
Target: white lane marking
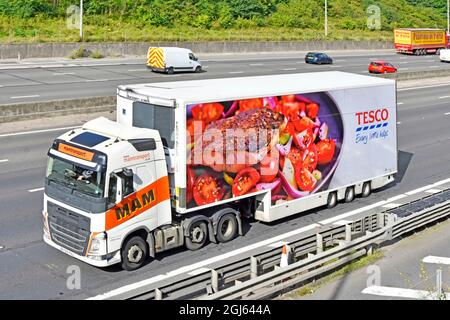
444,97
404,62
24,97
256,64
97,80
137,70
399,293
342,222
418,190
289,69
201,264
436,260
352,213
333,66
400,103
404,68
433,67
425,87
391,205
399,122
447,113
340,60
62,73
235,72
36,131
4,160
35,190
266,242
278,244
433,191
199,271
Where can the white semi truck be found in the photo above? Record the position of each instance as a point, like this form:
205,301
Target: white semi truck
186,162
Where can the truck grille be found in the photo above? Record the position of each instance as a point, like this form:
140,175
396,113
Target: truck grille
68,229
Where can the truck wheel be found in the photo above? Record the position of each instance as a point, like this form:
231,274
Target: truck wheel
198,69
170,70
332,200
366,189
134,252
198,235
349,194
227,228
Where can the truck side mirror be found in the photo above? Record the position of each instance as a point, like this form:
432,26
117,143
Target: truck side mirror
119,185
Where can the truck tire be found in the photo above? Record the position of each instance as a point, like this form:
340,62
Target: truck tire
349,194
366,189
198,69
332,200
170,70
197,235
227,228
134,253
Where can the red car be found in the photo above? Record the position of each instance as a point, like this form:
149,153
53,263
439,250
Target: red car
381,66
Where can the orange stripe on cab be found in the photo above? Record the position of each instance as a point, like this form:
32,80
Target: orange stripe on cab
137,203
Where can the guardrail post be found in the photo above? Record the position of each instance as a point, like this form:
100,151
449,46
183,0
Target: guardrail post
158,294
319,242
214,281
439,292
253,267
348,232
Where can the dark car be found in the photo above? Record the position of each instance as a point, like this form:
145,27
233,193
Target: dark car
318,58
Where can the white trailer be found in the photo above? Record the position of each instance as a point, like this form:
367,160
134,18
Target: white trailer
187,161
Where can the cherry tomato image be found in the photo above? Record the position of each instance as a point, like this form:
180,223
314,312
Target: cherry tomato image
288,98
250,104
295,155
190,184
325,151
207,112
245,180
311,158
304,139
292,110
312,110
207,189
304,124
268,169
305,179
193,125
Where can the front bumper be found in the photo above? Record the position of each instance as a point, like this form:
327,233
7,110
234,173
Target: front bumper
114,258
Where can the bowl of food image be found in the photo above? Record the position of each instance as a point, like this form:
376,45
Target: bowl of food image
302,143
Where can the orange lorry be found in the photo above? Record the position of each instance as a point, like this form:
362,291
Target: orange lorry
420,41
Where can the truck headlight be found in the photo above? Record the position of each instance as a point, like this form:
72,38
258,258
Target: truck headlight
98,244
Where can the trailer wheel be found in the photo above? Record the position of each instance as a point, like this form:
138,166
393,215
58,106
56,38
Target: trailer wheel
198,235
134,252
349,194
170,70
227,228
366,189
332,200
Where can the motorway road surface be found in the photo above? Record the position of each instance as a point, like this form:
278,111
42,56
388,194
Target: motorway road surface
31,269
45,81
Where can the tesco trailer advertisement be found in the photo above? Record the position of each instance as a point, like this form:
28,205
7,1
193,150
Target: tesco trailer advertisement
294,145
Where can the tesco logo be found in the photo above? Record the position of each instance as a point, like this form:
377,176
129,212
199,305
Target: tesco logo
372,116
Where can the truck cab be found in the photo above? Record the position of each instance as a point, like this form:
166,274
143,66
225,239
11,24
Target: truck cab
105,183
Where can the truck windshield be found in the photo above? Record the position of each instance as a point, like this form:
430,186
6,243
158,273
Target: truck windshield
146,115
83,180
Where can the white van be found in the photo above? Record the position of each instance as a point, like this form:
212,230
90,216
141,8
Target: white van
171,59
444,55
